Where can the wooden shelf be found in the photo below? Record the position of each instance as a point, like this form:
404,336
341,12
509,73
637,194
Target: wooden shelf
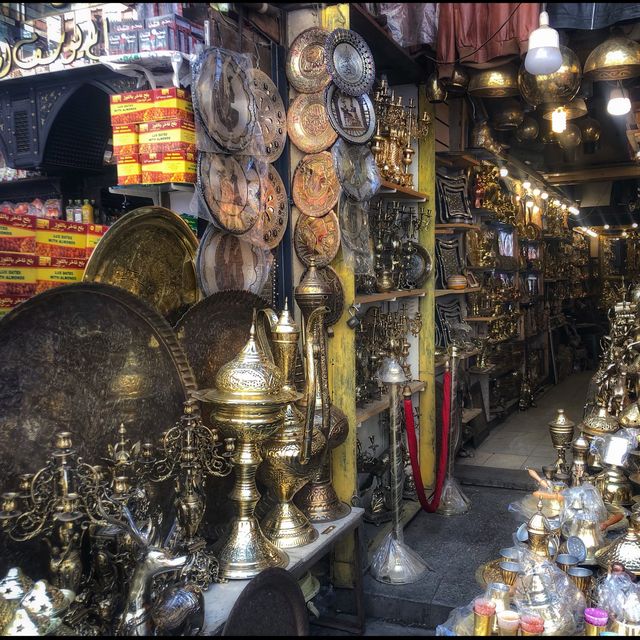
484,318
448,229
459,160
376,407
469,414
389,296
448,292
399,192
503,269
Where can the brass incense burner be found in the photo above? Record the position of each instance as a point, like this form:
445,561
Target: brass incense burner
561,430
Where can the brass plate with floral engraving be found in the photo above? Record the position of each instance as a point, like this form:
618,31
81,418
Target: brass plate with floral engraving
272,118
308,125
315,184
350,62
274,213
319,237
151,253
306,65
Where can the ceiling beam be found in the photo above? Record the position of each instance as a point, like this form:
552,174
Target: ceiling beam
625,171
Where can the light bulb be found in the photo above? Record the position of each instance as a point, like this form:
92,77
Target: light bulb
559,120
563,206
517,198
526,185
556,203
543,53
536,208
624,234
619,104
635,225
574,210
544,195
504,172
529,204
637,156
607,227
536,192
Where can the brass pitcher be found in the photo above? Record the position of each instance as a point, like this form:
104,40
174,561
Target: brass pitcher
541,534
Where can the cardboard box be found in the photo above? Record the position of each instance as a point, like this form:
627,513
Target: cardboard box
158,39
125,140
173,166
17,233
123,43
53,272
9,302
129,169
125,26
60,239
94,233
167,135
131,107
17,274
170,103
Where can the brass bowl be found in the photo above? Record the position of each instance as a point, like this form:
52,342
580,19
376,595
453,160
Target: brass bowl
591,130
528,129
560,86
494,83
617,58
435,91
508,116
458,82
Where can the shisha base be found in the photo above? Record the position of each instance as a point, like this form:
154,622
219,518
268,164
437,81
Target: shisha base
320,503
453,502
396,563
287,527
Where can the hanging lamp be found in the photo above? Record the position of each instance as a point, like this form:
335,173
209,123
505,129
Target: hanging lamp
619,103
543,54
617,58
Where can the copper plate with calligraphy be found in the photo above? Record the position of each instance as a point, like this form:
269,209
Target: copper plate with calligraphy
274,213
315,184
356,169
350,62
306,65
225,261
319,237
151,253
336,300
84,358
272,118
308,125
352,117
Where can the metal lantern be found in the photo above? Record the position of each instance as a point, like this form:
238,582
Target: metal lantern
435,91
458,82
617,58
508,116
576,108
494,83
570,138
528,129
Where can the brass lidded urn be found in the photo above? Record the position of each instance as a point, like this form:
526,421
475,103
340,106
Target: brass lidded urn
561,431
294,452
249,400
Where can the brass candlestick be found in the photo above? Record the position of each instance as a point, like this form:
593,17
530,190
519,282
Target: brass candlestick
249,400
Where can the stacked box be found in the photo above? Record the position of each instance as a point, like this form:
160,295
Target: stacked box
173,166
158,39
131,107
94,233
8,303
17,274
17,233
170,103
129,170
125,140
123,36
60,239
54,272
167,135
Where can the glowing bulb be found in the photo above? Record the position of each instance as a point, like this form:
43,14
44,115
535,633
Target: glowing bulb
556,203
563,206
624,234
536,208
536,192
559,120
607,227
543,52
635,225
529,204
544,195
504,172
517,198
526,185
619,104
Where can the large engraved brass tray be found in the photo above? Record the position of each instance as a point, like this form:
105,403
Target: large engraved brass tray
151,253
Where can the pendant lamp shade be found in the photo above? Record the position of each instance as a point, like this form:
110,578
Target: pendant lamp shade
617,58
543,54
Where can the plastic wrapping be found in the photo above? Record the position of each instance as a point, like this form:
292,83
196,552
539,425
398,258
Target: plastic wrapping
410,24
614,594
614,449
581,503
452,500
396,563
357,246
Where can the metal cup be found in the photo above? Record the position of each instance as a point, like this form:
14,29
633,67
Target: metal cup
509,571
581,577
510,554
566,560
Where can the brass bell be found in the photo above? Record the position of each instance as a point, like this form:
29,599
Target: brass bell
617,58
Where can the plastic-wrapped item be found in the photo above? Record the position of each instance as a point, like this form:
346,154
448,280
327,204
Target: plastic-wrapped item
613,591
581,503
459,622
613,449
357,246
409,23
396,563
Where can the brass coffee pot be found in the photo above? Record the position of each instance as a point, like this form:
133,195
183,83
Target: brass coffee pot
541,534
613,484
580,449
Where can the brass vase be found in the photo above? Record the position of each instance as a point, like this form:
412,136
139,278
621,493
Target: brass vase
249,401
288,462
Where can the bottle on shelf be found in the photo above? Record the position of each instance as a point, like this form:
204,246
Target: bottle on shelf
87,211
77,211
69,210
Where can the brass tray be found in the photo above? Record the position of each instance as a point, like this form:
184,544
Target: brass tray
306,64
489,572
350,62
319,237
150,252
308,124
274,212
84,358
315,184
272,118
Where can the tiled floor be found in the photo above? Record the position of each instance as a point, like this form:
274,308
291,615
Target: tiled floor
523,440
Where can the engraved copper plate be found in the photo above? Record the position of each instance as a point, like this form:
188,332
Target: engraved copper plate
319,237
489,572
352,117
306,65
150,252
272,118
356,169
84,358
224,101
224,186
274,213
225,261
315,184
308,125
350,62
336,300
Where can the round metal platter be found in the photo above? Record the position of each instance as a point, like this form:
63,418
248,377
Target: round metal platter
350,62
272,118
315,184
274,213
319,237
336,301
489,572
420,265
225,102
356,169
306,65
353,117
224,186
225,261
308,125
151,253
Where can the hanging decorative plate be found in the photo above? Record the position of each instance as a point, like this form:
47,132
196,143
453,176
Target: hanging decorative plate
350,62
419,264
356,169
315,184
336,300
272,118
354,224
225,261
306,65
224,100
308,125
353,117
274,214
151,253
319,237
225,189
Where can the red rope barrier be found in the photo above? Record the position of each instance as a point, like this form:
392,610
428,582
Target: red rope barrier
431,504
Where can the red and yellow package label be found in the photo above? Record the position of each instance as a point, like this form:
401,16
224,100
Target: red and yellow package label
53,272
17,274
10,302
125,140
170,103
130,108
175,166
94,233
61,239
167,135
129,170
17,233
